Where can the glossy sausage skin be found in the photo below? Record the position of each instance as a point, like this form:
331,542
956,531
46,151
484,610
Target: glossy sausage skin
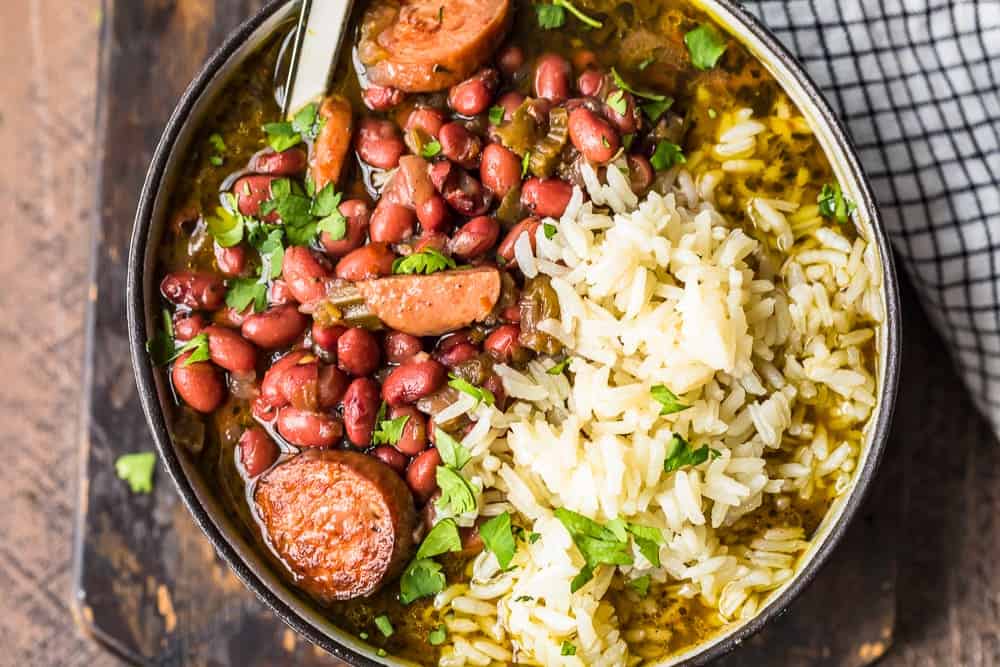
435,304
342,521
333,142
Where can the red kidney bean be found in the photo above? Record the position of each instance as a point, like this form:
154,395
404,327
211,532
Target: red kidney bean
231,261
640,173
379,144
627,122
426,119
546,197
591,83
592,135
459,145
502,343
510,102
263,410
308,429
289,162
473,96
529,226
391,223
511,314
361,403
457,354
358,352
584,58
187,326
331,384
433,214
413,380
381,98
230,350
199,291
357,214
368,261
494,385
272,386
500,169
413,438
552,74
462,192
326,337
230,317
436,240
421,474
275,327
392,457
298,384
305,274
257,451
475,238
279,293
399,346
510,60
251,192
198,384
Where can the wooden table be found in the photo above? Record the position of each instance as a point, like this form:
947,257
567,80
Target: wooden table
942,468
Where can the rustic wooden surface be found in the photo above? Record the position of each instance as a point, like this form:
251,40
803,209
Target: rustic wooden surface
929,533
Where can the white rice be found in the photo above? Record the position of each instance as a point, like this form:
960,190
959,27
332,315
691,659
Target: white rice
754,333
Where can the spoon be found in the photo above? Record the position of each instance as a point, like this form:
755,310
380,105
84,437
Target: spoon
318,36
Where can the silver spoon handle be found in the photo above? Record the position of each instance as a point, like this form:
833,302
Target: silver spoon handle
319,35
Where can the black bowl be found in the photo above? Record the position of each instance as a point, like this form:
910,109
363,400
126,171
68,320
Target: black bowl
256,572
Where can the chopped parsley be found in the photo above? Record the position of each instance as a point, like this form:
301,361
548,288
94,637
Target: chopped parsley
218,143
534,537
525,163
567,648
620,82
431,148
384,625
646,63
667,399
389,431
326,207
137,470
442,538
523,598
498,538
641,585
833,204
437,636
617,102
215,160
597,544
452,452
481,394
553,15
306,125
705,45
426,261
422,578
667,155
244,291
457,494
654,110
496,114
649,540
161,346
560,367
549,230
680,454
228,224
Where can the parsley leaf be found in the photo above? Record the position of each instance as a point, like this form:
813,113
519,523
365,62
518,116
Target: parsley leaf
496,114
161,346
422,578
244,291
680,454
654,110
437,636
326,202
833,204
272,254
641,585
431,148
481,394
617,102
307,122
549,230
426,261
597,544
384,625
666,156
705,45
567,648
198,347
550,16
499,539
137,470
389,431
457,495
648,539
442,538
560,367
218,143
453,453
667,399
215,160
281,136
227,225
620,82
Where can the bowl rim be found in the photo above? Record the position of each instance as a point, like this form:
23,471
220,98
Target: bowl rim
148,396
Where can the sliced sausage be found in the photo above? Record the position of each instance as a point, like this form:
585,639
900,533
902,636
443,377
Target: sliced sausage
435,304
341,521
428,45
333,142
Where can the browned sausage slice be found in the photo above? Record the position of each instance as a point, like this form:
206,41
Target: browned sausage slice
342,522
435,304
333,142
422,46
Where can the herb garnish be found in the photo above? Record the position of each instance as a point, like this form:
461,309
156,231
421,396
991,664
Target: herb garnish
617,102
306,125
481,394
453,453
833,204
597,544
244,291
705,45
430,149
457,494
680,454
422,578
498,538
525,163
389,431
667,399
137,470
641,584
620,82
554,15
496,114
427,261
666,155
560,367
567,648
437,636
442,538
654,110
384,625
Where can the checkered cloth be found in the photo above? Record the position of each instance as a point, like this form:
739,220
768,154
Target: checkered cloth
918,84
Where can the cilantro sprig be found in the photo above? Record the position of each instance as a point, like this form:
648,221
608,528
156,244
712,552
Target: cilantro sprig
422,578
608,544
162,348
705,46
137,470
551,16
389,431
427,261
498,538
442,538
